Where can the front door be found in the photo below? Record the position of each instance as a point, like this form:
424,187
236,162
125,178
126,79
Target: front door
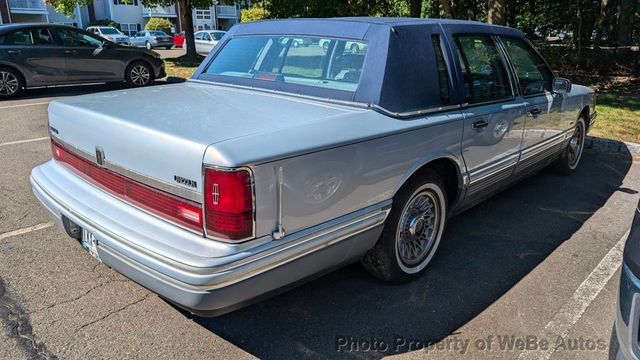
493,115
87,59
34,51
545,127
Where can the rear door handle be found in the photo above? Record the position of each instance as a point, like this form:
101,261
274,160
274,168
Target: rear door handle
71,52
479,124
14,52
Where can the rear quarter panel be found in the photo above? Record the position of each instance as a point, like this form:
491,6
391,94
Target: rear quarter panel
333,168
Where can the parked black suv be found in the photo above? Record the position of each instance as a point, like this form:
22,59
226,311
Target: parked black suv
33,55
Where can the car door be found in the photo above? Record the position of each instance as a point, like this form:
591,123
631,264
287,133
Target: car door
35,52
138,39
198,38
544,124
87,58
493,115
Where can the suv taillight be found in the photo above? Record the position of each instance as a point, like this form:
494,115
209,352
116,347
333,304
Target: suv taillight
228,203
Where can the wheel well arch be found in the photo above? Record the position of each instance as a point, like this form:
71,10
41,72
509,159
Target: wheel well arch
16,69
585,115
449,170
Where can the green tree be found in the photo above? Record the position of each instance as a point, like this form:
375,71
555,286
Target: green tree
160,24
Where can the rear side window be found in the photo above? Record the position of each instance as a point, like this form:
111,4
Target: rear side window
534,76
35,36
443,73
309,61
483,70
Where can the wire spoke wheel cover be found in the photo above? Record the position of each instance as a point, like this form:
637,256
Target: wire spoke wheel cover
140,75
576,145
419,228
9,83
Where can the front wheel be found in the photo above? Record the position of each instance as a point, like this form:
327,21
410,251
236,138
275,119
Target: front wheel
11,83
139,74
570,158
412,231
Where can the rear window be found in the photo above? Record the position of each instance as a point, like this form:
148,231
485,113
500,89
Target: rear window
334,64
157,33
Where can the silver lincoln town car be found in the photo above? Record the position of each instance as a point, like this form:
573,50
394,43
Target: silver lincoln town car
276,162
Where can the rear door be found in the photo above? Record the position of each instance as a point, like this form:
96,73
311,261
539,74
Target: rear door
34,51
493,115
86,57
544,124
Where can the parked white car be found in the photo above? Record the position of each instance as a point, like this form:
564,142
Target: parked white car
110,33
206,39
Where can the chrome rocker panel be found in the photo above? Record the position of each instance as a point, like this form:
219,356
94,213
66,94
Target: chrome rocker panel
137,245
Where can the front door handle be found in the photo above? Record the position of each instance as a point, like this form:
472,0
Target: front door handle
14,52
71,52
534,112
479,124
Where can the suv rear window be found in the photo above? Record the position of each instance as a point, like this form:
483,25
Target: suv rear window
334,64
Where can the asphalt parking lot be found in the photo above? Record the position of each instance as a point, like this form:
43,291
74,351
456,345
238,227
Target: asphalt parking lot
539,261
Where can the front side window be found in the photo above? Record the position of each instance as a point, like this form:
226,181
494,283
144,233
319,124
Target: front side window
71,37
207,37
315,62
35,36
534,76
483,70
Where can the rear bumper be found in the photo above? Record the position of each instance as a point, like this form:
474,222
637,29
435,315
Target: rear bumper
200,275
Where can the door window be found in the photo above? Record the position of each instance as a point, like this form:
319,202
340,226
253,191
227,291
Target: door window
443,73
199,36
534,76
35,36
483,70
70,37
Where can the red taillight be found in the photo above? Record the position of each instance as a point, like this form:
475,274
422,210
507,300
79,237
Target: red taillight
158,39
181,211
228,203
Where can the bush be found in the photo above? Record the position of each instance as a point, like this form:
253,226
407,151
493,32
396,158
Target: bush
159,24
105,22
254,14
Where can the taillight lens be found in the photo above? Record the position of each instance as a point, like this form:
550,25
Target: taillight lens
173,208
228,203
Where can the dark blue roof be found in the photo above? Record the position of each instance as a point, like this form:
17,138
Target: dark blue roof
399,72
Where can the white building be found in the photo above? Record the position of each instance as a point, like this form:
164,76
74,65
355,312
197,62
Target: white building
131,16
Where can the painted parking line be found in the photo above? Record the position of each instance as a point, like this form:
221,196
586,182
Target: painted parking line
24,141
26,230
564,320
23,105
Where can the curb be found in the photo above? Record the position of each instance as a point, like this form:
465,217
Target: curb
612,146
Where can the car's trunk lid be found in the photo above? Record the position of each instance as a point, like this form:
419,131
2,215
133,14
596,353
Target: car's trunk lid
161,133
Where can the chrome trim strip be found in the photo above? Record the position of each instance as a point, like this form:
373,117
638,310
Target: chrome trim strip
494,168
153,182
374,107
538,148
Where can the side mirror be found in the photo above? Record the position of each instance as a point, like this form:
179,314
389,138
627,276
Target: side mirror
561,85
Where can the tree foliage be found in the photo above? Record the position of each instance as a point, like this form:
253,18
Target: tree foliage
255,13
160,24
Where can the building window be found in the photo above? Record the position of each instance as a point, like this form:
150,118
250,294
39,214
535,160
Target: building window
203,14
130,29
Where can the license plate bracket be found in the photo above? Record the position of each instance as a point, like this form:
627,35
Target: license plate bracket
90,243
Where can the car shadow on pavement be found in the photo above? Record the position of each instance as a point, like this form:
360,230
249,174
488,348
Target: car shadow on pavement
485,252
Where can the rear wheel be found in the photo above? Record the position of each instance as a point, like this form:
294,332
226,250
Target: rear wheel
11,83
148,45
570,158
412,231
139,74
